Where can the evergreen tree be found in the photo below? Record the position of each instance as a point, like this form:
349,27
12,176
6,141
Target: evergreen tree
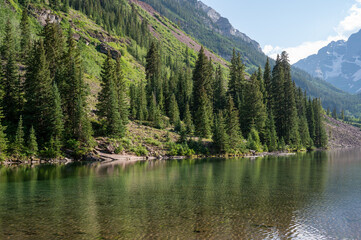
310,119
18,144
121,90
188,120
152,107
3,139
253,141
342,115
133,101
267,78
12,92
236,81
142,103
291,121
74,94
8,46
220,100
320,140
25,41
173,110
202,108
32,143
253,110
153,72
334,113
232,126
65,7
38,94
270,133
108,106
57,120
220,137
54,48
158,121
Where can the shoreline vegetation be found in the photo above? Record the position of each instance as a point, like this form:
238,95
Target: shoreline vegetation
54,106
340,134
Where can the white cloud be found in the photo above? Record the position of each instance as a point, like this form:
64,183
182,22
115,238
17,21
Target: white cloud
350,24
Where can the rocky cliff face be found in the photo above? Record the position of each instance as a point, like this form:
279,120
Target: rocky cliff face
339,63
222,25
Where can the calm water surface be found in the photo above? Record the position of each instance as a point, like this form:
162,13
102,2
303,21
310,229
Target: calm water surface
307,196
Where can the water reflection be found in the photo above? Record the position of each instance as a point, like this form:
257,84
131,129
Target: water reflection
272,197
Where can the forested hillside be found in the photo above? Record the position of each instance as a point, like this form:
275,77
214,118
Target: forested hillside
67,82
191,17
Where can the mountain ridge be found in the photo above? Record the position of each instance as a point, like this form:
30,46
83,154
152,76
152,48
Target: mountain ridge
224,25
338,63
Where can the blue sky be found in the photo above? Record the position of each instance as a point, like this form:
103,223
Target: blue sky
299,27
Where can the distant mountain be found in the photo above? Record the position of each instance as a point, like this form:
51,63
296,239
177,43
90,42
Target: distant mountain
215,32
339,63
223,26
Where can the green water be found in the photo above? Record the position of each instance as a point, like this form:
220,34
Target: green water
307,196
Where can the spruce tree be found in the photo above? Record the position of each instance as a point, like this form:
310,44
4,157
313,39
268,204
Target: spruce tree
173,110
25,41
237,80
54,48
12,92
142,112
57,119
18,144
38,94
74,95
219,99
8,46
153,72
320,132
188,121
202,106
310,119
152,107
289,104
271,139
32,143
232,126
253,110
253,141
121,90
133,101
108,106
267,78
220,137
3,139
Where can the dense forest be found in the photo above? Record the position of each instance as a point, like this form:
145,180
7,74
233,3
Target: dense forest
45,98
194,21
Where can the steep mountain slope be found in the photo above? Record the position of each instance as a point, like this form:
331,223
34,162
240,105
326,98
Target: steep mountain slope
214,31
211,29
339,63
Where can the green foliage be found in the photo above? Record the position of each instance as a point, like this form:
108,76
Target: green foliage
32,143
108,106
253,141
18,144
139,150
175,149
3,139
220,137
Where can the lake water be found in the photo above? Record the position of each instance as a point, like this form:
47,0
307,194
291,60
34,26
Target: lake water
308,196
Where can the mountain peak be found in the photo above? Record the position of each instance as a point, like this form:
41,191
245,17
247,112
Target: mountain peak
339,63
223,26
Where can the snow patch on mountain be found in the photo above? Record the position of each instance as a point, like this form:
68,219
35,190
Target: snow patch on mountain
338,63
